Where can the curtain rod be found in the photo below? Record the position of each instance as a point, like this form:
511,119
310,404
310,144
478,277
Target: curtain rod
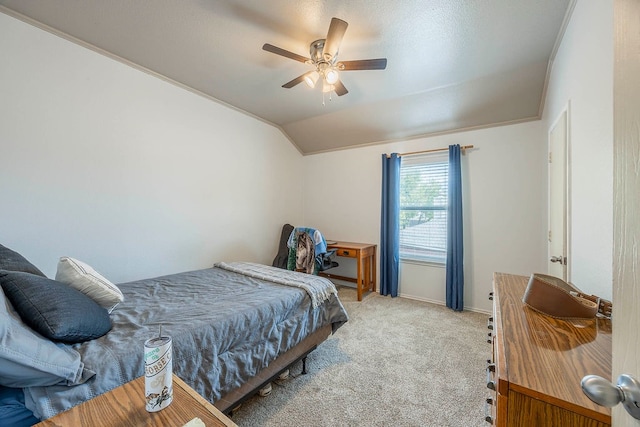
465,147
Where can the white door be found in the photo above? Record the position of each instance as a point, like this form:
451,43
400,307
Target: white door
626,198
558,191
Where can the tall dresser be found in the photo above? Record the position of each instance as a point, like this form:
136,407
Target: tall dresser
537,363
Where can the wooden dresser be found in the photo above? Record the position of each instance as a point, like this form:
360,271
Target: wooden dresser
538,362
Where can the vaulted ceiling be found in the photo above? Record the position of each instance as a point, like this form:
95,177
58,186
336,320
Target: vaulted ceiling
452,64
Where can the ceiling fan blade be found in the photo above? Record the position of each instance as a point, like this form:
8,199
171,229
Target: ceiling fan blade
337,28
294,82
363,64
339,88
282,52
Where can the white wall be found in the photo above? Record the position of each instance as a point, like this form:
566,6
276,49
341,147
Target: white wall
118,168
506,185
582,76
505,205
127,172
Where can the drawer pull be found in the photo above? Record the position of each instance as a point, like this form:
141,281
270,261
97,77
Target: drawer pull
490,324
491,385
345,252
490,296
487,411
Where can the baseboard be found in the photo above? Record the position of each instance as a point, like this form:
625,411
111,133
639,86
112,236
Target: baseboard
442,303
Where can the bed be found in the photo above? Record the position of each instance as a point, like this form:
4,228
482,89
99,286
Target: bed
234,327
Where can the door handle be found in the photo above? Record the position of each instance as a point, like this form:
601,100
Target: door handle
602,392
560,259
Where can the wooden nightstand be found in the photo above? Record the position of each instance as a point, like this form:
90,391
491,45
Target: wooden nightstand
125,406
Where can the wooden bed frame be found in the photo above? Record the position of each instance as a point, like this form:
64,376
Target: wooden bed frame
231,400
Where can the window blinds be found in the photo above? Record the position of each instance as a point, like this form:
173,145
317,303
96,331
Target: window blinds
423,207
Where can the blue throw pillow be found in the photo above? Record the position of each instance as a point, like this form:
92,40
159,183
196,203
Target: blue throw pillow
53,309
13,261
28,360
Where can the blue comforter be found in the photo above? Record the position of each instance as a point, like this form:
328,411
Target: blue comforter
226,327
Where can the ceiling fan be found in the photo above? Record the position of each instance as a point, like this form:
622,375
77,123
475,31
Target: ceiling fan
324,58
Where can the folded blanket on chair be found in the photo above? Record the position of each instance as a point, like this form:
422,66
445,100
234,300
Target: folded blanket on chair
318,238
306,246
305,254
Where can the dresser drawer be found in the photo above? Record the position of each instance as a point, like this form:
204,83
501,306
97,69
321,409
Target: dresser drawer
351,253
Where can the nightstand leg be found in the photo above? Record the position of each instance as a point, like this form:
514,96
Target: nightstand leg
360,282
373,270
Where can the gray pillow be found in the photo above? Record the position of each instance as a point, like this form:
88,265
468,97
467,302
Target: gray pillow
29,360
13,261
53,309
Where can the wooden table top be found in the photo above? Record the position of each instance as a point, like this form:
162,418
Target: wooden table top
349,245
125,406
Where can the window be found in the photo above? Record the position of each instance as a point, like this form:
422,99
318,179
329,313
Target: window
423,207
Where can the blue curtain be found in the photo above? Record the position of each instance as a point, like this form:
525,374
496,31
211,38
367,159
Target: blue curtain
455,270
390,225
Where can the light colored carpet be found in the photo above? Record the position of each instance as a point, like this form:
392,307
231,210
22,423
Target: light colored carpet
395,362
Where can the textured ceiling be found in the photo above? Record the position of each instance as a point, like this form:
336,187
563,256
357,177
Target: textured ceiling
452,64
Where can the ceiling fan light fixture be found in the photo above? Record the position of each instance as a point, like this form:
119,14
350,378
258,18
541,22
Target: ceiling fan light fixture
331,76
323,56
311,78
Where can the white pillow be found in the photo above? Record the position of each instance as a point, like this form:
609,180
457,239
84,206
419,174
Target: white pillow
82,277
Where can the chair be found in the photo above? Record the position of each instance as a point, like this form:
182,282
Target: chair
306,250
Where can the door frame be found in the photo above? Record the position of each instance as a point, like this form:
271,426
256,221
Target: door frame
566,111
